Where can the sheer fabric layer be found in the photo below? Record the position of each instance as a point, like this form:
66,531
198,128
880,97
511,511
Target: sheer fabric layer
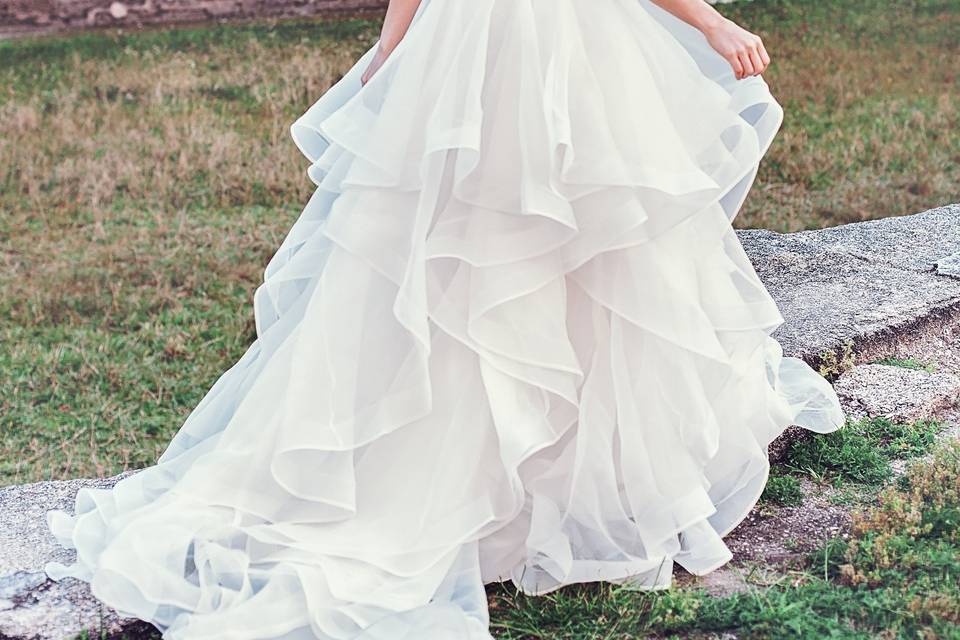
512,336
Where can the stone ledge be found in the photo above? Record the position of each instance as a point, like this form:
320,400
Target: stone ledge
865,391
32,607
873,285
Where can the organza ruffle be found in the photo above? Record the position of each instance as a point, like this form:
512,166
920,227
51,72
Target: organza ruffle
511,336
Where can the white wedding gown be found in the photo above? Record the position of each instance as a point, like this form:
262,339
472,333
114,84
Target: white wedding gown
512,336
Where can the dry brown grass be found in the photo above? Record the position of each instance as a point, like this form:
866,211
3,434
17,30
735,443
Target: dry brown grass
162,130
132,156
872,99
142,196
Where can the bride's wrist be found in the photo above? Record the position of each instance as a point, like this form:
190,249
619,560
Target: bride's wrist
711,21
388,42
385,48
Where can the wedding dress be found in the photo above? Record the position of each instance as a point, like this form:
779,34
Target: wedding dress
512,336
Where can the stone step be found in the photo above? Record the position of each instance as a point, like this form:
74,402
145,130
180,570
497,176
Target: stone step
874,286
33,607
898,393
875,289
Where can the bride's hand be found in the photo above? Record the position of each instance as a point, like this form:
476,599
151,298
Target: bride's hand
378,59
743,50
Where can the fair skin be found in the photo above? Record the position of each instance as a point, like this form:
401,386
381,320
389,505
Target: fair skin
395,25
742,49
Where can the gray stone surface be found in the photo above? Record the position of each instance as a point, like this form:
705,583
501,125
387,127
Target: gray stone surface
898,393
888,287
32,607
871,283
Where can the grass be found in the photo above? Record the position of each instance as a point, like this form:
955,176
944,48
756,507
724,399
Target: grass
783,490
145,181
146,178
861,452
869,130
855,460
895,577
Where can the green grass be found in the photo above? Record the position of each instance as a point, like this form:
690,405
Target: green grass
862,450
102,368
46,61
868,131
895,577
783,490
146,178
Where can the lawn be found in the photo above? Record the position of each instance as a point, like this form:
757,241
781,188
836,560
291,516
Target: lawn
146,178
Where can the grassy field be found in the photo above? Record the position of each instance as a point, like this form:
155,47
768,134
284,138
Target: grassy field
146,178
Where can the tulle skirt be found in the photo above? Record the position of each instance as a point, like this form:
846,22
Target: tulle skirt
512,336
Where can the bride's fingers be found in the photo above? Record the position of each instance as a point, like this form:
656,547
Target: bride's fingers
763,54
369,73
737,66
758,65
744,57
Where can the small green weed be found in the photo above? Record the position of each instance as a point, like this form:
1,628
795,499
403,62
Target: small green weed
783,490
835,362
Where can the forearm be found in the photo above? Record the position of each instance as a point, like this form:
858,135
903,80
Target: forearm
399,16
696,13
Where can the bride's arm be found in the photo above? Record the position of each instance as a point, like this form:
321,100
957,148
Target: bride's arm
395,24
743,50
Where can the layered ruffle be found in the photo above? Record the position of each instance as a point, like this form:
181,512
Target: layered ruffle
511,336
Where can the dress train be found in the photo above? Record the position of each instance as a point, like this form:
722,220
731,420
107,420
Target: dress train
512,336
